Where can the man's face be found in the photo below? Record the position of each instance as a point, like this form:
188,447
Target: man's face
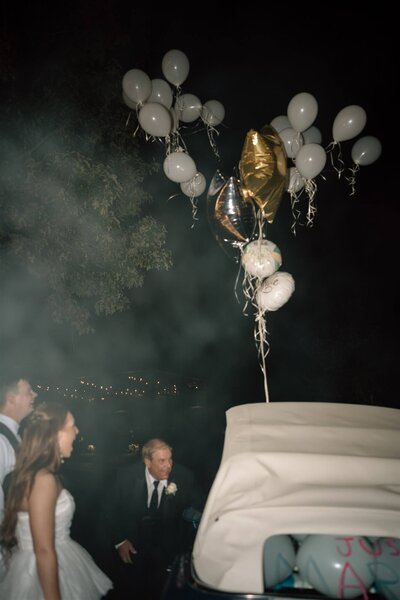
160,464
23,399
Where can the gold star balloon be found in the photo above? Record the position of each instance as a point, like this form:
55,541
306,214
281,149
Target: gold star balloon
263,169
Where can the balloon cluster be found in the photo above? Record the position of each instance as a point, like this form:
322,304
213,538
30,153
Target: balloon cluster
160,111
238,210
336,566
284,156
302,142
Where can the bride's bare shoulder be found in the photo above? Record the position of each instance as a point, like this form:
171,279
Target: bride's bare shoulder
46,482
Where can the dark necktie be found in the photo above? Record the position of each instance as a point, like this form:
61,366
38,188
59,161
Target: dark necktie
154,499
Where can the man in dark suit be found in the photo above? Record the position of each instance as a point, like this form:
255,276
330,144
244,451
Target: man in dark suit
150,524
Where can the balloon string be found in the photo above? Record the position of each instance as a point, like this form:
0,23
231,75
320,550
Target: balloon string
352,178
329,149
171,197
249,290
211,131
260,334
193,202
294,200
136,130
250,283
177,143
177,94
311,190
128,118
260,226
340,169
238,275
296,143
138,107
169,145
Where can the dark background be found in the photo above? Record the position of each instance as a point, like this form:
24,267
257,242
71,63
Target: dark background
336,338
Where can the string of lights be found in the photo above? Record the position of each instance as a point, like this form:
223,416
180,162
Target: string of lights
131,384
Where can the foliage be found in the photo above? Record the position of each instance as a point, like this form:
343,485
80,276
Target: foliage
73,197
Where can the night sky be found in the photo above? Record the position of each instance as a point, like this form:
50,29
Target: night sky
336,338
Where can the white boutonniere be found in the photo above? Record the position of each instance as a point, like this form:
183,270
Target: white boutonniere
171,489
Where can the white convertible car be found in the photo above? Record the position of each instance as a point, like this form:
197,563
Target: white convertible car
305,504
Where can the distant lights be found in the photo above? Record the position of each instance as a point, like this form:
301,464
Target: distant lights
89,391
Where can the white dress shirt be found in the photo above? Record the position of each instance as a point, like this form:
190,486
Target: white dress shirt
7,455
150,487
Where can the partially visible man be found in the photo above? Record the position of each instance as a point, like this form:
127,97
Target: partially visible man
148,526
16,402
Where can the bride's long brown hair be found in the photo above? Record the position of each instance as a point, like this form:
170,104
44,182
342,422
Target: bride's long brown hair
37,450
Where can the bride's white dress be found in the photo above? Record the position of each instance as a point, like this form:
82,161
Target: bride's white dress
79,576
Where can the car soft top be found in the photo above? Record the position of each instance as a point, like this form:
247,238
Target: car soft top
296,468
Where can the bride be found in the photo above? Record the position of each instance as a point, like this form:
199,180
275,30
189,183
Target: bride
42,561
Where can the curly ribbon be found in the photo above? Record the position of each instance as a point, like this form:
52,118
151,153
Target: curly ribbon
250,283
294,201
176,143
177,94
193,202
250,287
329,149
352,178
249,290
260,337
311,189
240,246
296,143
211,131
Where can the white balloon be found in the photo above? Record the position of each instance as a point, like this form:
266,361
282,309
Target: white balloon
387,568
261,258
296,181
161,92
336,566
155,119
130,103
292,140
188,107
366,150
312,135
302,111
280,123
179,166
195,186
310,160
137,85
275,291
348,123
213,113
175,66
279,558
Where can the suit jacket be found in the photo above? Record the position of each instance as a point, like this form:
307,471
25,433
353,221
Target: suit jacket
168,532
